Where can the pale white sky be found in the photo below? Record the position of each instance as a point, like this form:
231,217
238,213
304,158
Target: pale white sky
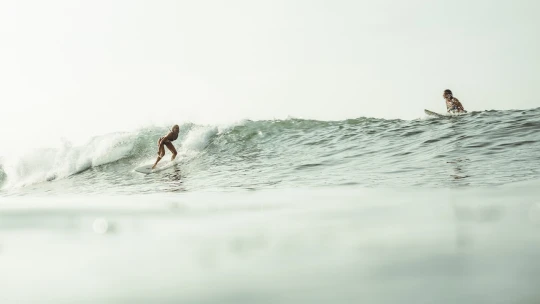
98,66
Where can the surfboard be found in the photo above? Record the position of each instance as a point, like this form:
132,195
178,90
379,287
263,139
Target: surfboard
147,169
428,112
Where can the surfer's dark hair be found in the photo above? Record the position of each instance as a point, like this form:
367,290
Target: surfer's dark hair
448,92
175,127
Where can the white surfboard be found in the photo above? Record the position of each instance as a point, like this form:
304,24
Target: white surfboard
431,113
162,165
428,112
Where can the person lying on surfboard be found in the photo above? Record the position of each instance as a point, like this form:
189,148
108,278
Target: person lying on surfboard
167,141
452,104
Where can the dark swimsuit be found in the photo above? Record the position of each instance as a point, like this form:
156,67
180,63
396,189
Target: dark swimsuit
174,137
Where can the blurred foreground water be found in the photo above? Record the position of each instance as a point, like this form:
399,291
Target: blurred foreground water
331,245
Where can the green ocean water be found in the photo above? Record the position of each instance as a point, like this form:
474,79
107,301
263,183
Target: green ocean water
474,150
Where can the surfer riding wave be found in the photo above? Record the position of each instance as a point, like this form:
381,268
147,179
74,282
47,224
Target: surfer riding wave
167,141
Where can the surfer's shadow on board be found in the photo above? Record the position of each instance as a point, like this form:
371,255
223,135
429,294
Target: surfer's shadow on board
170,179
172,172
163,165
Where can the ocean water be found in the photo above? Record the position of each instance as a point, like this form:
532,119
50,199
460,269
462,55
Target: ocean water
432,210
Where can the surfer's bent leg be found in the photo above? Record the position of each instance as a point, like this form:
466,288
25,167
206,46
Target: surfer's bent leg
172,149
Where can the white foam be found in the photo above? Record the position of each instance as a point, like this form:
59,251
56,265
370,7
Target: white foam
198,138
40,165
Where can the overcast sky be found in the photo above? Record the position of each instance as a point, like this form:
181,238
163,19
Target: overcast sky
100,66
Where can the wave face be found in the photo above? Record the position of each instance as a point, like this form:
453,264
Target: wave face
476,149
